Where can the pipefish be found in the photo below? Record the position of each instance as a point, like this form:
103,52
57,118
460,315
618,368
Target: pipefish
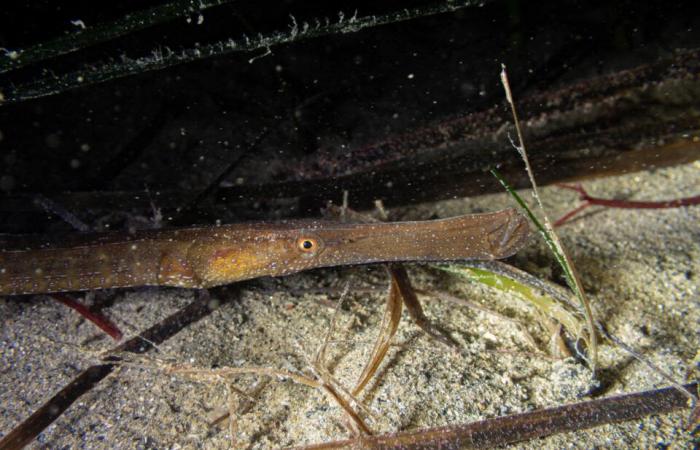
211,256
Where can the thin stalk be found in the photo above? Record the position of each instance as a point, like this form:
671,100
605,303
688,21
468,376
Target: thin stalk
548,231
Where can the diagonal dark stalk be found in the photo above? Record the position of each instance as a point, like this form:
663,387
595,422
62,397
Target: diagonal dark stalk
504,430
28,430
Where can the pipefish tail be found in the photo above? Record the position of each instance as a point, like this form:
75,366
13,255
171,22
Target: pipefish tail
212,256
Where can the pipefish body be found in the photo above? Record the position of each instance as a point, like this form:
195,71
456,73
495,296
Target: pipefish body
212,256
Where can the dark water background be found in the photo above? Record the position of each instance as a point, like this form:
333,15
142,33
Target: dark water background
310,110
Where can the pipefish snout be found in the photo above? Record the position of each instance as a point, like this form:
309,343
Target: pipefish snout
211,256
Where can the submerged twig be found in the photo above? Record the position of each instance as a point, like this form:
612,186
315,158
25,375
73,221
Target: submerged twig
491,433
224,372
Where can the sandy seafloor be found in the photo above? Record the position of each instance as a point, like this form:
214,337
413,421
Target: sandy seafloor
641,269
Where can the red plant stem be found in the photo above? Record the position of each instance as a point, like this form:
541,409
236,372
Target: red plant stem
624,204
565,218
631,204
99,320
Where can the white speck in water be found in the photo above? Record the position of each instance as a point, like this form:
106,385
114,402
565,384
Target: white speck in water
78,23
74,163
12,54
410,76
85,147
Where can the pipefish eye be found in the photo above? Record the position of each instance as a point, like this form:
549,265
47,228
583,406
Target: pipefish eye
308,245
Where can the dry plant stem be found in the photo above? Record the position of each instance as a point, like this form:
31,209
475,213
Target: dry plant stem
99,320
520,427
248,401
25,432
333,388
225,372
355,418
320,358
414,308
577,286
589,200
387,330
323,380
